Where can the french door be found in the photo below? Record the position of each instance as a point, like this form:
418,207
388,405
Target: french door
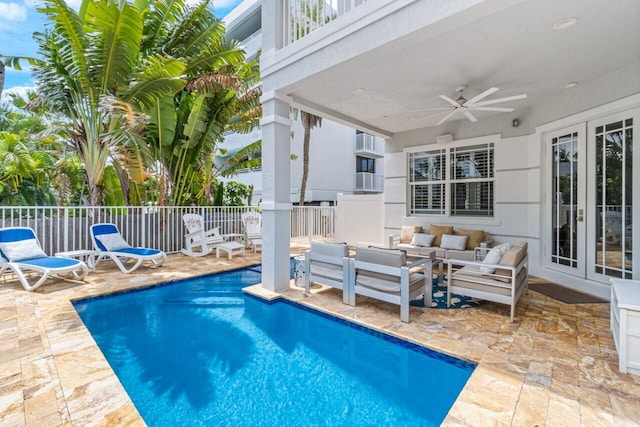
593,173
567,198
615,173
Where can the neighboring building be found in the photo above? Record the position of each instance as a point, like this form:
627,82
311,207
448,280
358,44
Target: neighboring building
560,171
342,160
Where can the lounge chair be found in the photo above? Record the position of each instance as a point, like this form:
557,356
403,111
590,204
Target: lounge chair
108,243
501,278
328,264
21,253
252,222
384,274
197,237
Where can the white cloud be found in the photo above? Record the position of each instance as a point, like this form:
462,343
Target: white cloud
29,3
13,12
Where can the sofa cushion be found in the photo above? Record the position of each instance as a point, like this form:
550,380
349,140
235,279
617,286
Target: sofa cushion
380,256
438,231
464,255
449,241
388,285
475,237
337,250
407,232
513,257
421,239
494,256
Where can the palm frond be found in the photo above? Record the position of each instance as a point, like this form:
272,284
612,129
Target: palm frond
117,33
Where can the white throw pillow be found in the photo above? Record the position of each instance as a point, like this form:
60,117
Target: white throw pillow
449,241
494,256
422,239
24,249
112,241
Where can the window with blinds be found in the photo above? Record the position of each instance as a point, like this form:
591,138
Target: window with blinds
470,181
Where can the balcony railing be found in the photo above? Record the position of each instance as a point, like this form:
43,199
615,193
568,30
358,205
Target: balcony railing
305,16
63,228
369,182
369,146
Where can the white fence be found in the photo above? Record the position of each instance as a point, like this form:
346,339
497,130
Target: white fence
67,228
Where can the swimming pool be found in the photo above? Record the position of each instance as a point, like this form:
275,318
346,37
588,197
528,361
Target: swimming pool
201,352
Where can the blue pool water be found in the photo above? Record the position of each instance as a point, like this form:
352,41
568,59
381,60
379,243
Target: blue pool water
201,352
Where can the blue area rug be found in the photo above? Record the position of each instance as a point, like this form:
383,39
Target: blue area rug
439,299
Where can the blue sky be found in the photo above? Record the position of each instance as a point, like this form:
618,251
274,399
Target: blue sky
19,20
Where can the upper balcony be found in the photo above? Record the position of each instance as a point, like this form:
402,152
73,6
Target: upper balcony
301,17
369,146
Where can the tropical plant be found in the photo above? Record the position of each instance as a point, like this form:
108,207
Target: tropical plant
237,194
150,83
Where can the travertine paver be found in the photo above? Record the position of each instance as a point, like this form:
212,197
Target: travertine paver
556,365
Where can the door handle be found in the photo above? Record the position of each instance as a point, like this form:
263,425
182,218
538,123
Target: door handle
580,216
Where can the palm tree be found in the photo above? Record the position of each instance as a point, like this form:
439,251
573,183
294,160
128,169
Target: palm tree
309,122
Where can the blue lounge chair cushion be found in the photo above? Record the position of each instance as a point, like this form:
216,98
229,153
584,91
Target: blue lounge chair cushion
51,262
139,251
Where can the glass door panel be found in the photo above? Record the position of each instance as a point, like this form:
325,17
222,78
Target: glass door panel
614,198
566,230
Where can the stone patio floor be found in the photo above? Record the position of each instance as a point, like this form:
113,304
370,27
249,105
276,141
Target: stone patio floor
556,365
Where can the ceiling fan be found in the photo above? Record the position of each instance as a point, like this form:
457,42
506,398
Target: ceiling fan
465,106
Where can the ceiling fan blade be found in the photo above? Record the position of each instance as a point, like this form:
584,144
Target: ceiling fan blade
501,109
496,101
446,117
470,116
482,95
450,101
429,109
449,110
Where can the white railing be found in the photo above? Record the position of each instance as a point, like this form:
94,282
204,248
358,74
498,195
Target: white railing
313,223
369,144
366,181
302,17
63,228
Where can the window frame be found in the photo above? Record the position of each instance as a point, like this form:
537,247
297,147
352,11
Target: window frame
450,181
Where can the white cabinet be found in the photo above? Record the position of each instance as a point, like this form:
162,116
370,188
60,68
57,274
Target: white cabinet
625,323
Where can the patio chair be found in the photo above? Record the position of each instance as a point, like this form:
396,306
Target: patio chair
109,244
385,275
198,237
502,279
252,222
20,252
328,264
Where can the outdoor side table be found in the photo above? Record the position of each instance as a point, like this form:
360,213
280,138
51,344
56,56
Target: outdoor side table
230,248
85,255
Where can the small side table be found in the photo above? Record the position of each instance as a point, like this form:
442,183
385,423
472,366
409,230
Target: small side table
85,255
625,323
230,248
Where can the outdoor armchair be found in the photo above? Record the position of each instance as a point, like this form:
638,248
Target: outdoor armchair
328,264
502,281
198,237
385,274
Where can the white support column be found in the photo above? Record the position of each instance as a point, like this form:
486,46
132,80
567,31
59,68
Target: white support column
276,207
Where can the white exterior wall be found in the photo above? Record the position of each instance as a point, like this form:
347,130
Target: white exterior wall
332,166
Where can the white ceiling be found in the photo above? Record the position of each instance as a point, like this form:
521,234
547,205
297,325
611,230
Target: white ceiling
515,49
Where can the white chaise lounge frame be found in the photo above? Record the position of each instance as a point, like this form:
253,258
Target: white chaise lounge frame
77,269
